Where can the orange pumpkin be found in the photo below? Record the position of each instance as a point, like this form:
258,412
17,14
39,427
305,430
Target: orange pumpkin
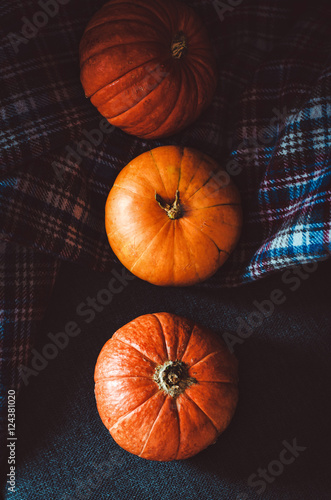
165,387
173,216
147,65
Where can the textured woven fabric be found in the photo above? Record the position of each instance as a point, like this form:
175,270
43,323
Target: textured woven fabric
26,282
268,125
271,115
64,452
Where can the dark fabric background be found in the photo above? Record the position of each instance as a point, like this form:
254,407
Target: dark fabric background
271,114
284,394
270,119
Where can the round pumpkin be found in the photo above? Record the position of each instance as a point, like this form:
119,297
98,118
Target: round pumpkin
173,216
147,65
165,387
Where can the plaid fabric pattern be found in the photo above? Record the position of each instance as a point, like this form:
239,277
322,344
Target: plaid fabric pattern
26,281
268,125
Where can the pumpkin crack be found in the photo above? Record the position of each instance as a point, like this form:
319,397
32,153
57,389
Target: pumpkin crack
148,246
194,173
123,417
220,186
163,336
174,251
151,429
205,357
205,234
158,171
180,166
203,185
223,223
133,192
189,251
218,205
209,418
189,339
178,419
141,353
115,377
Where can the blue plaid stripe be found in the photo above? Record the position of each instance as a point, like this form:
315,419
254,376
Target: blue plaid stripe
271,116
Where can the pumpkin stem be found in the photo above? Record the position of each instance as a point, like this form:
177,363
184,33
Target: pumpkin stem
179,45
174,211
172,377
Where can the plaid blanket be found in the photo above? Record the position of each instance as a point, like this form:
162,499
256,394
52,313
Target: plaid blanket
269,125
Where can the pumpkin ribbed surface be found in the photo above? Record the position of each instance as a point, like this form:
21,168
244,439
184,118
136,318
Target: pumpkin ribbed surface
147,65
165,387
171,218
